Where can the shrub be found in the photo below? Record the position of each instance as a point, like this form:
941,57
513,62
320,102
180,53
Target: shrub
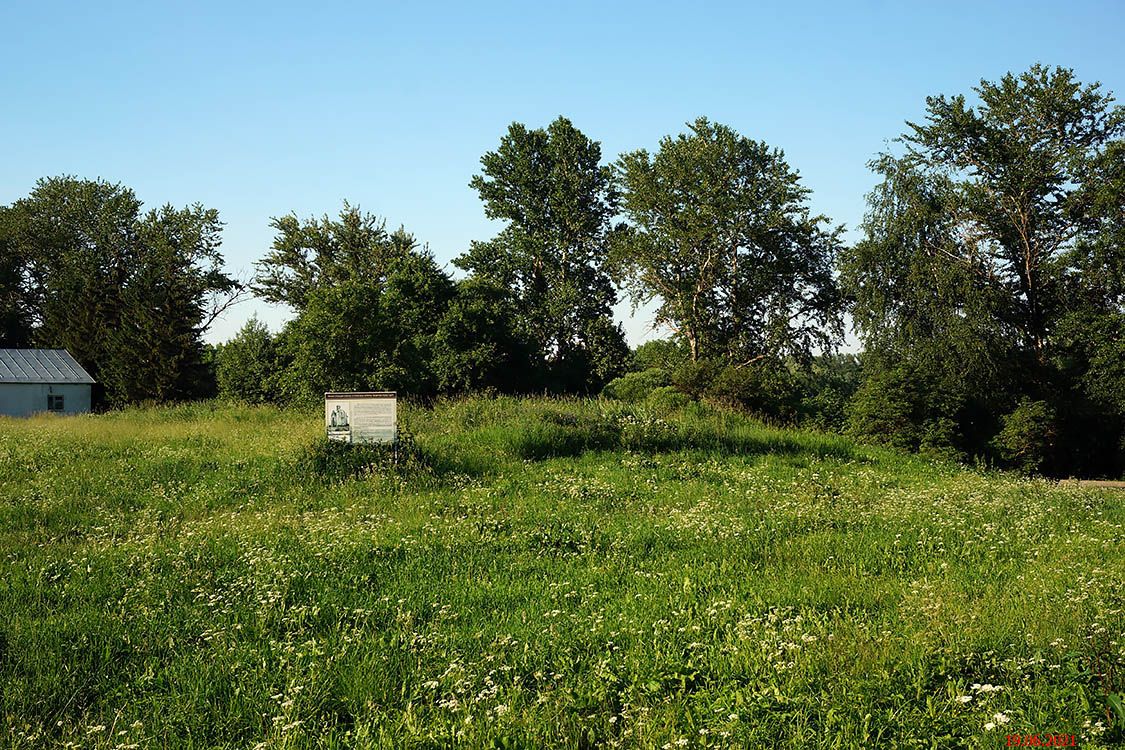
765,389
636,386
901,407
662,354
825,409
337,461
1027,438
829,386
244,366
938,439
695,377
666,399
476,346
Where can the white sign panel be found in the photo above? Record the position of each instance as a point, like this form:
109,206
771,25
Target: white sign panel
361,417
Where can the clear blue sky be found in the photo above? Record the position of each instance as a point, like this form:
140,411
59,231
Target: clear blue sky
260,109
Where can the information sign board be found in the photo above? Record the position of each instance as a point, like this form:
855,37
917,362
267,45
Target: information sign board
359,418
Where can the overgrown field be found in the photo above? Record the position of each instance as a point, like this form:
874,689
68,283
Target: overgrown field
541,574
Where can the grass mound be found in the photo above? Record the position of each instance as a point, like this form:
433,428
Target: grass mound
335,461
538,430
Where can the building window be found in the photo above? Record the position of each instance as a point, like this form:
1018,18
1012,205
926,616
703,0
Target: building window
54,403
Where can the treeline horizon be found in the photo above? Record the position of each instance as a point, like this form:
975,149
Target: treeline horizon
987,289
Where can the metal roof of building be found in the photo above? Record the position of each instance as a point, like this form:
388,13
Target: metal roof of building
40,366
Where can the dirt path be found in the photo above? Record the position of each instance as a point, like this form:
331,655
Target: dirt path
1095,483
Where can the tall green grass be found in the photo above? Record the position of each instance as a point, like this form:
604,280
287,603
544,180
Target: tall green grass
540,573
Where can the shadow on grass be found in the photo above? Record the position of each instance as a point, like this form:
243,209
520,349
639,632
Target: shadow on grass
561,434
569,435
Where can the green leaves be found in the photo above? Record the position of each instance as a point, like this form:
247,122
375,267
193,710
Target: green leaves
129,295
368,333
1014,180
315,253
245,366
476,345
721,234
992,254
558,202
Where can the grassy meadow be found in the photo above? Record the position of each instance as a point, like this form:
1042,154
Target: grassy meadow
536,573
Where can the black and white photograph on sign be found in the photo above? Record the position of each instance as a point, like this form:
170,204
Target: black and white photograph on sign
338,425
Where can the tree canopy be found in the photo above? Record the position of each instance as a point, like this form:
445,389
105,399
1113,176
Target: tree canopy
723,238
992,251
558,202
368,303
315,254
128,294
1012,194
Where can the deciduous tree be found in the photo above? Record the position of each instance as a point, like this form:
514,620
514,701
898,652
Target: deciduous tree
368,305
246,366
15,308
723,238
129,295
317,253
558,202
993,255
478,346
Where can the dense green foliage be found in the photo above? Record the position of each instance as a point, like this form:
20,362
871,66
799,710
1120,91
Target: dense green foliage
902,407
664,354
316,254
368,333
991,275
722,236
1028,436
375,312
245,366
636,386
817,394
368,304
557,201
478,346
129,294
828,387
540,574
15,303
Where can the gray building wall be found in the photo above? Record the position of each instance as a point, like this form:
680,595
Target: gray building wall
25,399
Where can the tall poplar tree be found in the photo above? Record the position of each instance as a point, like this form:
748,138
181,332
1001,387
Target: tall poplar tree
558,203
721,235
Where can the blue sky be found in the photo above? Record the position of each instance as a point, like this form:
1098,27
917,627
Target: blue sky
261,109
